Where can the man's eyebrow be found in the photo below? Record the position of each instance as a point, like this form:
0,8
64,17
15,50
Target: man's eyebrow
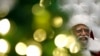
77,29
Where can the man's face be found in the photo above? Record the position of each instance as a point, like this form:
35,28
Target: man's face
81,32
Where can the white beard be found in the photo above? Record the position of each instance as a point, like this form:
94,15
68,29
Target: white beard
86,52
90,45
83,42
84,46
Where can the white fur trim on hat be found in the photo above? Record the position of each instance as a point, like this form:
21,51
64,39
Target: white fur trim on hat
79,19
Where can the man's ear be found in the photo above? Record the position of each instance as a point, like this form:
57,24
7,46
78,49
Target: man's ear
91,35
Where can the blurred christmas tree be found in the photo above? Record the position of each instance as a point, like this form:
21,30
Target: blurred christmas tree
37,28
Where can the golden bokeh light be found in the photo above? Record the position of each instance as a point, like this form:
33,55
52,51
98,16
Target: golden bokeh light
5,7
57,21
41,3
60,40
70,40
2,54
4,10
4,46
41,16
60,52
39,11
20,48
33,50
45,3
4,26
40,35
3,13
74,47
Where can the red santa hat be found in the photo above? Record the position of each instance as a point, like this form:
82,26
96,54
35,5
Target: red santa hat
81,19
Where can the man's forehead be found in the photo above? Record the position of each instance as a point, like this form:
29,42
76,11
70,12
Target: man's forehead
78,26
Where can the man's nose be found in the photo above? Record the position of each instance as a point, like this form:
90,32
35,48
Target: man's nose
83,33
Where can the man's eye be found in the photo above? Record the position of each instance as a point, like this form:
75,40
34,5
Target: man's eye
78,31
86,30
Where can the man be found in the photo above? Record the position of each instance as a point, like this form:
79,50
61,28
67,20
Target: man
81,28
82,32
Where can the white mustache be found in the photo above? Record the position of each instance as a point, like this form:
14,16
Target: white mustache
83,42
80,37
